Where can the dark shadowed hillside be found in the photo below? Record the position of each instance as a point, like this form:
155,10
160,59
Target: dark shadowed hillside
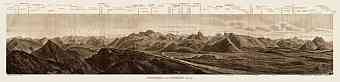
109,60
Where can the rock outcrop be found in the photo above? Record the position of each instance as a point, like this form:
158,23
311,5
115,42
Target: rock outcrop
321,44
309,45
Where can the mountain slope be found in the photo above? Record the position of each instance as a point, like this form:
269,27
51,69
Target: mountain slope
109,60
25,45
322,44
19,62
70,61
224,45
309,45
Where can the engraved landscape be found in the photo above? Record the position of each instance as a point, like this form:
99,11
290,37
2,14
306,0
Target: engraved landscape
169,44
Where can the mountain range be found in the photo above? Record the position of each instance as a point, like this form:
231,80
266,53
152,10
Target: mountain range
130,54
156,41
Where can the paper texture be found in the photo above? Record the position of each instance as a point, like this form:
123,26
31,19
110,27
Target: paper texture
291,37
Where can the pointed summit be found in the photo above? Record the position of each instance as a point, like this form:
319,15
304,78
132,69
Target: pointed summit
43,40
321,43
224,45
51,45
70,61
198,36
309,45
49,51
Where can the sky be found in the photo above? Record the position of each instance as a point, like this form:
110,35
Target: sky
306,26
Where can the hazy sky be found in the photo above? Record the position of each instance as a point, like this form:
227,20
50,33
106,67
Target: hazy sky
274,26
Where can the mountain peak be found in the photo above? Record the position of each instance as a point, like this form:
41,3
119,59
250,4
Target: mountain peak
198,36
318,39
26,45
149,31
321,43
50,51
228,34
51,44
309,45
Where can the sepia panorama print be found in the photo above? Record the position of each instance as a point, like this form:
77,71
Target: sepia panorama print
169,44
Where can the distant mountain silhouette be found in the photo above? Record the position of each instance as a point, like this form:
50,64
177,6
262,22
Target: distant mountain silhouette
140,41
231,42
151,52
228,42
155,41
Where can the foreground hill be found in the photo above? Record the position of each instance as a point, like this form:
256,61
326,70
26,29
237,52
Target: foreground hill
48,59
